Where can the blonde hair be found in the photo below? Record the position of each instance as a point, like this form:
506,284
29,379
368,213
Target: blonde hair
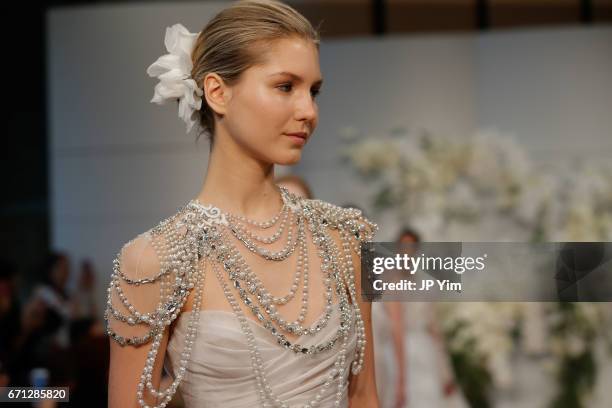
233,40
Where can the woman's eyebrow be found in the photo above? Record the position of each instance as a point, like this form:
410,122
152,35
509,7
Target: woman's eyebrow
296,77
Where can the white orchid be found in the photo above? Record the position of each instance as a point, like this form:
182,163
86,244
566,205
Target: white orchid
174,73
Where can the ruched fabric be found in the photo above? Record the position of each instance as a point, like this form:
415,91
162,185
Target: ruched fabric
219,373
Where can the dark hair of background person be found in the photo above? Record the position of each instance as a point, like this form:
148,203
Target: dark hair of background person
46,271
406,231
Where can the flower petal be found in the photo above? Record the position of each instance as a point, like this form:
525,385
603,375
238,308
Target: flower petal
172,36
164,63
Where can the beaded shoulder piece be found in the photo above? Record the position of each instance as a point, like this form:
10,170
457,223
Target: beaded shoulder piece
350,220
154,273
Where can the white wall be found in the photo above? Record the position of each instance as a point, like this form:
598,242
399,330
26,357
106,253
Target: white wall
119,164
552,88
376,84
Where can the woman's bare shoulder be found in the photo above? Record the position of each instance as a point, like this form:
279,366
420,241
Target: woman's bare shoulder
141,274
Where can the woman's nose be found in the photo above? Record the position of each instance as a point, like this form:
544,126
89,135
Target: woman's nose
307,108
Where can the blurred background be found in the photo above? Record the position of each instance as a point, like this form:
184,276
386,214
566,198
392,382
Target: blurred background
467,120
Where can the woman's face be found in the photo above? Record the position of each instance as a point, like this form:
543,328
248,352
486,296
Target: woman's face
274,99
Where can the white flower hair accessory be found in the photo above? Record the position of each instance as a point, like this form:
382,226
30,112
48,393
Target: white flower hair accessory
174,73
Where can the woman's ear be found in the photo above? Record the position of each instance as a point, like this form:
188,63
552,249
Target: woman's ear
216,92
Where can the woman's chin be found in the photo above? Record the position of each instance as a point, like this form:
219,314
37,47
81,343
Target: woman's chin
290,158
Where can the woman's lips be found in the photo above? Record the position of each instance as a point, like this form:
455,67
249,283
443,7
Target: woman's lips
299,137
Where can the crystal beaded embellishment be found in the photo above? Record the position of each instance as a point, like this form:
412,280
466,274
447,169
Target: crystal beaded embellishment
198,232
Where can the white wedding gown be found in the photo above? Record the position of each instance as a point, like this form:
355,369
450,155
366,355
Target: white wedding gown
424,362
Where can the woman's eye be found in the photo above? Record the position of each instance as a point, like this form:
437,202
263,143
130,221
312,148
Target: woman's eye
288,87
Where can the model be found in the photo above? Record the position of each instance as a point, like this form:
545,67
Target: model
248,295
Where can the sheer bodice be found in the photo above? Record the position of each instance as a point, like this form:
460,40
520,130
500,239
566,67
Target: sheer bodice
220,375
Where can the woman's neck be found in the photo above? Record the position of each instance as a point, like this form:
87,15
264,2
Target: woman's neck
239,184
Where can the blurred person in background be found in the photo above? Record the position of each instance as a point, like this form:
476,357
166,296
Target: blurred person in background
21,331
390,351
84,310
45,333
83,299
54,295
88,343
23,346
429,376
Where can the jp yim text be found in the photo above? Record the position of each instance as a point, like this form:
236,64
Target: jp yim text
427,284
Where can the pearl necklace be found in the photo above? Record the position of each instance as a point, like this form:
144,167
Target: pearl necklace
198,231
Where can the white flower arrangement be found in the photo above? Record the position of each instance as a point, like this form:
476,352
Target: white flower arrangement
420,176
434,183
174,73
487,336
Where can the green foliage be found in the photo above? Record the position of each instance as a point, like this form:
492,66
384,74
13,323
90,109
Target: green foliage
473,378
576,378
576,373
470,371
